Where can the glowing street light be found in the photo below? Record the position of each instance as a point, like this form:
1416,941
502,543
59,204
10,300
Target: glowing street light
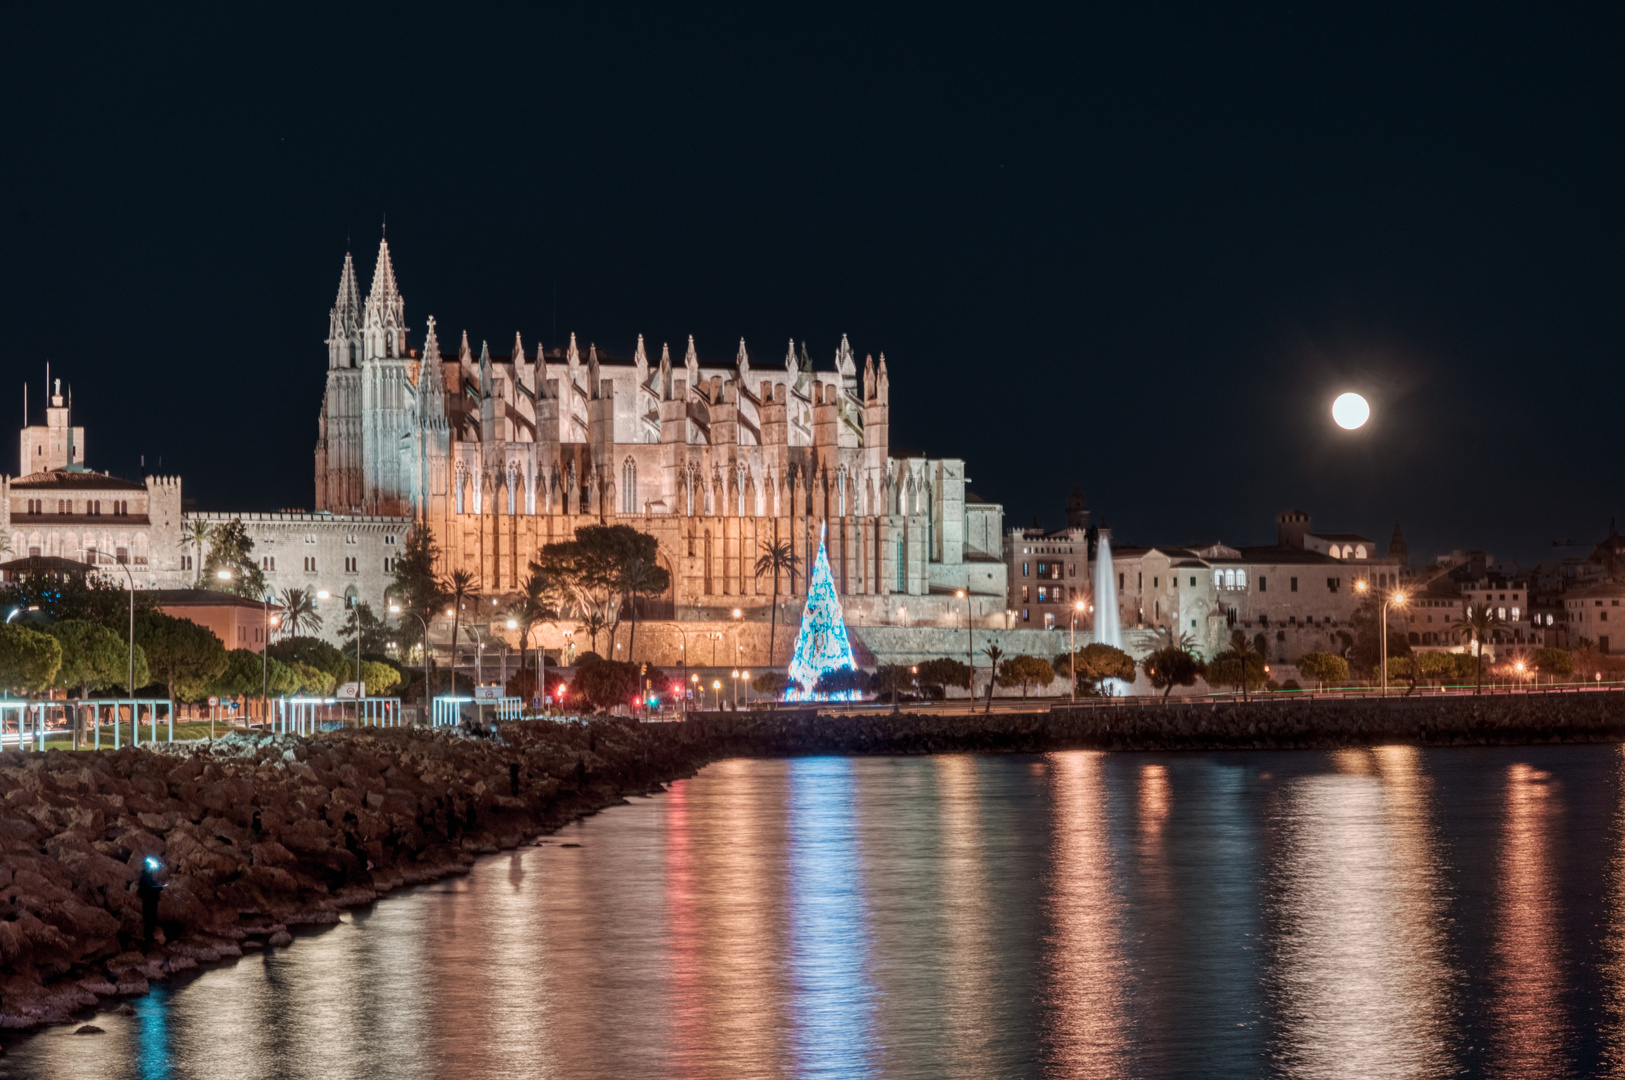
1072,660
1394,599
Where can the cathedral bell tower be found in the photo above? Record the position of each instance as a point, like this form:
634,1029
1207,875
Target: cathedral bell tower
365,449
338,441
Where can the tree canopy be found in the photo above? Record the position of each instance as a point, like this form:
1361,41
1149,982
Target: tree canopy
231,549
415,587
316,653
182,653
95,658
1028,672
29,660
83,596
1323,667
944,672
606,683
1096,663
1171,666
841,680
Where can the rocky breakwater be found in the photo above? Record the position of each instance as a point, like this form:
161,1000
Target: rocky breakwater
1271,724
256,834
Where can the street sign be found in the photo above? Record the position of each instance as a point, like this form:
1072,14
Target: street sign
351,691
213,701
488,693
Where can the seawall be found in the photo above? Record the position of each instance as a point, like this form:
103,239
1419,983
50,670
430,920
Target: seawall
259,833
1292,724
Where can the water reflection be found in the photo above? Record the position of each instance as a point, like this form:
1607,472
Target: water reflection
1390,912
828,946
1361,980
1529,1027
1086,1033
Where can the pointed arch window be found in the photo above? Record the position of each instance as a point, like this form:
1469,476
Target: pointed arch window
629,487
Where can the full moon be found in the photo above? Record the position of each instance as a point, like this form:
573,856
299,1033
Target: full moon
1350,411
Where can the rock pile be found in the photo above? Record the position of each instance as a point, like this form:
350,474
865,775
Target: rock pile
259,833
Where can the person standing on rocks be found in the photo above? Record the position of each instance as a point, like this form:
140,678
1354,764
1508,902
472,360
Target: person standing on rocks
150,888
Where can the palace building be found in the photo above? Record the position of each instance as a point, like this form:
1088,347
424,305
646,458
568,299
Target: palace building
501,452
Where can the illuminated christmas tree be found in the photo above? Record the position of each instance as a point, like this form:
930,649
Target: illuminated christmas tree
822,644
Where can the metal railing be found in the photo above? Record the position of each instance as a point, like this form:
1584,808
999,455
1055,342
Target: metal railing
34,720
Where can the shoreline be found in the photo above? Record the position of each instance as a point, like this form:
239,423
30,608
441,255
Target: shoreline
260,834
263,833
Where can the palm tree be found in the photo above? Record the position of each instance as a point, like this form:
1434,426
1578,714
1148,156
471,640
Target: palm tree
1478,621
994,654
641,576
299,611
1243,650
538,603
457,588
777,556
199,534
593,623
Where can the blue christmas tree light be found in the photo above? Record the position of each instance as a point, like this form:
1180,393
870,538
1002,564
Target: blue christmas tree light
822,644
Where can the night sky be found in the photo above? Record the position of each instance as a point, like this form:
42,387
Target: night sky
1137,249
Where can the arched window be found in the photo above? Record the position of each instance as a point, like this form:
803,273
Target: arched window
1359,551
629,487
1241,579
1230,579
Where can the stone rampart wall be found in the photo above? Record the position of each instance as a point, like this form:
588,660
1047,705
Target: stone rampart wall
1299,724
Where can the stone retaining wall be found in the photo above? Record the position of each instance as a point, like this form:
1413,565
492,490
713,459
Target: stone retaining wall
1297,724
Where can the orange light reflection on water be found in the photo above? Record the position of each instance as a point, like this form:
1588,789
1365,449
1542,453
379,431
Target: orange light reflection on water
1528,1031
1360,979
1087,1029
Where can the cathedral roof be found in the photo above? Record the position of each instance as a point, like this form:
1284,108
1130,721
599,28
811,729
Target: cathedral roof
63,479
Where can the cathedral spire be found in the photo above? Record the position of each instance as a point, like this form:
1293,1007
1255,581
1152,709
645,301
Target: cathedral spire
344,321
844,362
640,361
465,355
518,356
488,424
592,371
385,320
691,363
790,359
868,378
541,372
431,381
665,372
743,361
883,384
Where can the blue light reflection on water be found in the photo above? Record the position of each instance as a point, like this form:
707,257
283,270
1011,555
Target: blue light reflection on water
152,1016
833,998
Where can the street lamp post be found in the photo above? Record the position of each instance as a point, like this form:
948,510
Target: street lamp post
100,554
1072,659
1395,599
426,691
479,670
716,693
970,646
738,615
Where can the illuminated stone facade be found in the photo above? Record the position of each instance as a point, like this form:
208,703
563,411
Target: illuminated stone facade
500,453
